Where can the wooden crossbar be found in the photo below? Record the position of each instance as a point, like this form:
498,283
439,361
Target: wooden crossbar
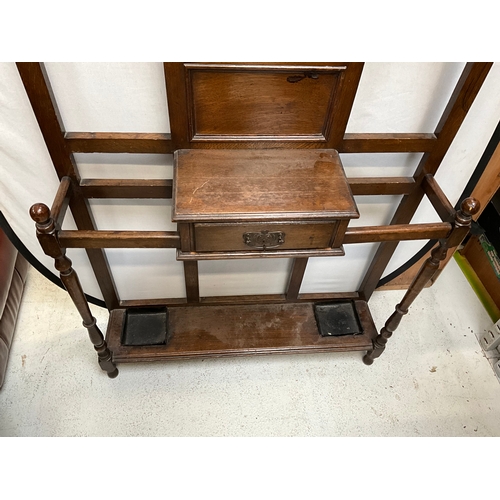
143,143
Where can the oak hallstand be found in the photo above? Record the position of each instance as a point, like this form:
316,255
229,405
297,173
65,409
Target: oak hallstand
257,174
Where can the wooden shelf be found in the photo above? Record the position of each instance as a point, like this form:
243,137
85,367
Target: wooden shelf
215,331
260,185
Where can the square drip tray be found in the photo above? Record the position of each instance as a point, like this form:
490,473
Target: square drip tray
145,326
337,318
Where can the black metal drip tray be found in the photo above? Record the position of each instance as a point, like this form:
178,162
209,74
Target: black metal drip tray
145,326
337,318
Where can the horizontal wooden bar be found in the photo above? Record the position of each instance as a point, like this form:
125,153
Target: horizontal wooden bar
118,142
267,254
240,299
294,142
124,304
397,232
61,201
119,239
276,298
322,297
439,200
127,188
388,143
273,67
162,188
171,239
207,301
381,185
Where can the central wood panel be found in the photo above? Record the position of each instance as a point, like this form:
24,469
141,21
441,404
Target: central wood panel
258,101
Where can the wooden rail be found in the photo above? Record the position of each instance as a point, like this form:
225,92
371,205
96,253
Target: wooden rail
171,239
397,232
114,142
436,196
127,188
119,239
143,143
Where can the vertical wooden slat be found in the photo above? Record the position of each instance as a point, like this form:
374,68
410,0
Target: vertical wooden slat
175,80
339,234
460,102
186,234
61,202
191,278
344,101
438,199
44,106
296,276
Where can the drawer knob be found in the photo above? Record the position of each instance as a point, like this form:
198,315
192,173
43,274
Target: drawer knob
264,239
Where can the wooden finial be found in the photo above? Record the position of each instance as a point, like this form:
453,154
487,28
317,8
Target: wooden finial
470,206
40,213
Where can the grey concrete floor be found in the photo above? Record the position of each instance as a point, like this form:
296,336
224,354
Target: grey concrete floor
432,380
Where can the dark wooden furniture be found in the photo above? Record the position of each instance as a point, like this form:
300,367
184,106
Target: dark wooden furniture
257,175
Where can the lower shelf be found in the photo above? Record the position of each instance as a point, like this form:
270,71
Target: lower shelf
237,330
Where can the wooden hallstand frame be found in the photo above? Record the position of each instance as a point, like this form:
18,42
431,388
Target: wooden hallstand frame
194,99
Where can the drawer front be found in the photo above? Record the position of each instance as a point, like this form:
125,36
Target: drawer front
263,236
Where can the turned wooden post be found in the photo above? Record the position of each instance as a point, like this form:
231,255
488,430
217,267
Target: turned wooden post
462,224
46,231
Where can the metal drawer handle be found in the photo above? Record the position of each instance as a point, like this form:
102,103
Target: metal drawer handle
264,239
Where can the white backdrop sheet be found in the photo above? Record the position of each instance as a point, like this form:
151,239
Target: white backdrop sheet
130,97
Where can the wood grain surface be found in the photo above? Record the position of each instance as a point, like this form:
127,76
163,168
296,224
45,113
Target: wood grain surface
223,185
204,331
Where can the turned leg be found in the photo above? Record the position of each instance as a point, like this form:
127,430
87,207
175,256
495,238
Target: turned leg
426,272
47,236
462,223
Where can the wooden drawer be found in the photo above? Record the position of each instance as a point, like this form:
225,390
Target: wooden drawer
263,236
260,203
